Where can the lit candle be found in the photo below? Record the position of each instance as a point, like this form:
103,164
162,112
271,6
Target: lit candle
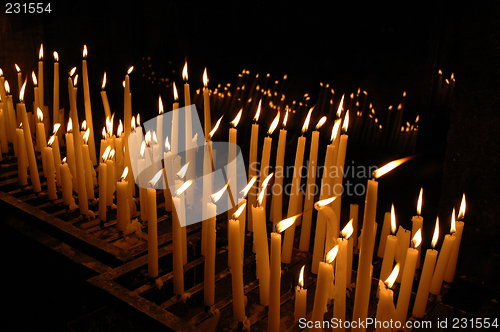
178,216
57,154
324,286
11,121
426,276
152,227
295,193
305,233
386,230
19,78
386,312
340,161
88,109
35,179
417,222
8,131
55,104
231,163
443,259
459,226
126,118
190,151
67,186
300,297
87,166
51,174
340,272
404,239
175,122
40,78
407,279
327,212
141,166
104,97
252,165
235,255
41,139
266,155
273,317
102,187
22,163
390,248
3,129
277,192
119,148
206,105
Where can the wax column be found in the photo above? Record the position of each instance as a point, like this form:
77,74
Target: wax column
35,179
404,237
386,312
102,187
386,230
417,222
252,165
12,123
305,234
178,216
41,139
8,131
390,248
57,154
88,109
55,103
87,166
3,134
141,166
277,191
206,106
295,193
152,227
426,276
67,186
190,151
104,97
175,122
337,181
126,119
266,155
232,175
459,226
122,197
324,286
261,248
19,78
340,272
22,162
51,173
329,215
207,189
442,261
40,78
407,279
235,255
300,298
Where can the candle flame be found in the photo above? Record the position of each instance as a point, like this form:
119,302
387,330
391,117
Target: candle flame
86,136
435,236
129,71
286,117
123,83
40,54
112,154
119,131
216,196
274,124
56,56
84,51
105,155
419,203
212,133
341,104
21,93
17,68
138,119
143,149
132,123
238,212
335,130
176,95
103,85
124,174
51,140
348,230
257,114
56,128
453,228
84,125
7,87
167,144
72,71
75,80
306,121
332,254
155,139
389,282
183,188
301,277
182,172
160,106
393,219
417,239
185,72
461,212
452,77
64,160
321,122
249,185
346,122
33,77
390,166
205,78
155,178
324,202
285,223
39,114
103,132
260,198
147,138
236,120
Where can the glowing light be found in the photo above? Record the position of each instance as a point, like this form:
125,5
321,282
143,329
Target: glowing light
51,140
301,277
393,220
236,120
185,72
321,122
205,78
167,144
341,104
21,93
236,214
390,166
132,123
142,149
105,155
86,136
112,154
286,117
347,231
176,95
160,106
129,71
33,77
119,131
84,51
461,212
335,130
56,128
212,133
75,80
417,239
389,282
263,188
84,125
7,87
332,254
155,178
346,122
138,119
306,121
324,202
72,71
124,174
257,114
19,69
274,124
435,236
183,188
56,57
103,85
40,54
453,228
285,223
182,172
249,185
216,196
419,203
103,132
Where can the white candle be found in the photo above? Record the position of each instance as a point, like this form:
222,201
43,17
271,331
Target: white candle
152,229
40,79
252,165
266,155
235,249
3,131
41,139
404,238
442,262
88,109
209,283
340,273
102,189
232,175
390,246
340,161
261,253
277,192
324,286
51,175
57,154
300,298
22,167
87,167
190,151
452,264
386,230
177,241
122,197
206,106
55,104
273,317
19,78
110,187
386,312
67,186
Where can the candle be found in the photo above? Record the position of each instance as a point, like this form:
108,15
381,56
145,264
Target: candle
41,139
51,175
327,212
57,154
141,166
127,117
22,167
305,234
11,116
324,286
442,262
407,279
252,164
386,311
459,226
206,106
426,276
152,227
390,248
190,151
110,187
88,109
178,217
122,196
231,162
175,122
266,154
104,97
35,179
55,104
295,193
67,186
119,148
300,297
40,78
417,222
340,272
102,187
87,166
386,229
277,192
273,318
404,237
261,246
19,78
3,132
340,161
235,255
